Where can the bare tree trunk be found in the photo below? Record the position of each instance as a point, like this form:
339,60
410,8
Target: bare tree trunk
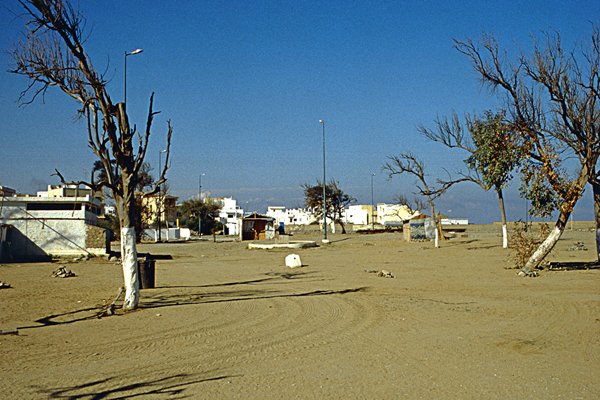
128,251
127,217
503,219
548,244
130,268
339,220
596,192
436,240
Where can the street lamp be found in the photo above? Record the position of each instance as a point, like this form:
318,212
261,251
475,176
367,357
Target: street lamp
200,199
372,204
322,122
159,202
127,54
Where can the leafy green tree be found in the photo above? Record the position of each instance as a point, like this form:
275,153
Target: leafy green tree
336,202
552,98
205,210
494,151
497,152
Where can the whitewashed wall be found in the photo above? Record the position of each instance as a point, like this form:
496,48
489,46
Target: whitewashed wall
39,233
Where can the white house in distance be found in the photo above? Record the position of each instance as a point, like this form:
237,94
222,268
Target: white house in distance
230,214
278,213
394,214
384,214
388,215
359,214
67,191
291,216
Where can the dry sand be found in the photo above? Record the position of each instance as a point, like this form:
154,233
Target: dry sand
230,323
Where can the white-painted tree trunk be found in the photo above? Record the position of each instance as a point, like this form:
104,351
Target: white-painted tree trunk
130,268
502,217
437,238
596,192
598,243
545,248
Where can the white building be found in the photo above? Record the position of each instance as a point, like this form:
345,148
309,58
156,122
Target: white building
38,227
394,214
230,214
65,191
291,216
278,213
359,214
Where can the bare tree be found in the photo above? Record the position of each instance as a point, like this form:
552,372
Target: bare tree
53,56
553,99
494,151
145,181
407,208
408,163
413,206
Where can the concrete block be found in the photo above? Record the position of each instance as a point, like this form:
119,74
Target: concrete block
293,261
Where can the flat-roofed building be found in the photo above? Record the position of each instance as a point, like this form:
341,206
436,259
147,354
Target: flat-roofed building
40,227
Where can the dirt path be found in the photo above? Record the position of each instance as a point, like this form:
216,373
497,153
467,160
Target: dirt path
227,322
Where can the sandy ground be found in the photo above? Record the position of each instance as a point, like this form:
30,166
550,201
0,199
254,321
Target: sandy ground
230,323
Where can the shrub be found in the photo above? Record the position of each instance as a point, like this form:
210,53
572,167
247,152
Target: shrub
525,239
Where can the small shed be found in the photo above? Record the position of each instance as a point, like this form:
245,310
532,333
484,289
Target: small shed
420,227
36,228
257,227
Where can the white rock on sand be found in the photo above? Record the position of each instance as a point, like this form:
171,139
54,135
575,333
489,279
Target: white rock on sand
293,261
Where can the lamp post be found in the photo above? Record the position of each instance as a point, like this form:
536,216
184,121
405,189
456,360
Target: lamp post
372,205
159,200
322,122
200,199
127,54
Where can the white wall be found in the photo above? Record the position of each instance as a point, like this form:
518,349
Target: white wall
291,216
277,213
357,215
46,232
393,213
230,215
167,234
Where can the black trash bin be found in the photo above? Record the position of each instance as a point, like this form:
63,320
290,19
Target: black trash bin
146,273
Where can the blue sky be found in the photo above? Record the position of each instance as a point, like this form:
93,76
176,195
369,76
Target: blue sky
245,84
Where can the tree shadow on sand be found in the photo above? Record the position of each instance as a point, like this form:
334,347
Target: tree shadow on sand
173,387
270,277
573,265
169,296
342,239
167,299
